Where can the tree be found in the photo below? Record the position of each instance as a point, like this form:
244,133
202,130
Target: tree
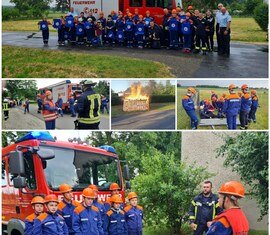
11,136
62,5
250,6
22,88
32,8
247,154
166,187
102,88
261,16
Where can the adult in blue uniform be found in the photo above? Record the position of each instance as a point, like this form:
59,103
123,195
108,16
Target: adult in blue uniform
224,32
254,106
246,102
134,215
38,206
203,209
86,217
67,206
50,222
232,107
115,222
88,107
165,41
189,106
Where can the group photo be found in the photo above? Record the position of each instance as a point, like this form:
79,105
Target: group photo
128,39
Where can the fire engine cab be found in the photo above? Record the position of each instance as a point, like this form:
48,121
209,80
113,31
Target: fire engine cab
154,6
37,164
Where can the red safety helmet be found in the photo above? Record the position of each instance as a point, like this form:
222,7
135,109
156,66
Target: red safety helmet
244,86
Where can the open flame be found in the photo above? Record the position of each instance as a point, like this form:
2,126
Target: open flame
136,93
136,100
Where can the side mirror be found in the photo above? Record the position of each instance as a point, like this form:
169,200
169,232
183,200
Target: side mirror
126,173
128,185
16,163
46,154
19,182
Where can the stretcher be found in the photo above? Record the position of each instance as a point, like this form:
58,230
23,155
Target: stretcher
215,122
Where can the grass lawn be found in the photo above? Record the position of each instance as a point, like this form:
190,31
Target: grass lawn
261,115
117,110
243,29
18,62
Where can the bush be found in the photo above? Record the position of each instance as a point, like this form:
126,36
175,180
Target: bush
162,98
261,16
10,13
250,6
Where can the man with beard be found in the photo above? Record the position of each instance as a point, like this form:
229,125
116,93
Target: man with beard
203,210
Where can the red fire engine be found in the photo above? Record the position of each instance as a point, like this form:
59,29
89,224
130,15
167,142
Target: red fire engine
37,164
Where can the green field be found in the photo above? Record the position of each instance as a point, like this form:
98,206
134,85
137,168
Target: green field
183,121
243,29
18,62
117,110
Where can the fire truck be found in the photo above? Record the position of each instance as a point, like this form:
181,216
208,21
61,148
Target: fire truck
37,164
64,88
154,6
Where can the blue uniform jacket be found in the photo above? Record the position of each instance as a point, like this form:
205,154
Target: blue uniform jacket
232,105
115,223
255,102
188,103
173,24
29,224
246,102
50,224
134,217
66,211
120,24
87,220
129,25
139,28
218,228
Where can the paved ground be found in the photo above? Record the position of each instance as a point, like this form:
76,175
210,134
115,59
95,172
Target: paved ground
246,60
151,120
34,121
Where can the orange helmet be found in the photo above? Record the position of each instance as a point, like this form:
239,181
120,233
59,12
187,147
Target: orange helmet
231,87
114,186
132,195
140,16
244,86
190,8
147,12
51,198
65,188
253,92
192,90
188,14
207,101
47,93
93,187
174,11
136,10
234,188
37,200
116,199
127,10
129,15
89,193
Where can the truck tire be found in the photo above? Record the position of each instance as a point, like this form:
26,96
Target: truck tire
15,227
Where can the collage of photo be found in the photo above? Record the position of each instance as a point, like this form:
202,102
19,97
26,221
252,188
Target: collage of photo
135,117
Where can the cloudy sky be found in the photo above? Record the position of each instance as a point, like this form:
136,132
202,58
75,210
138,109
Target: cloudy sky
41,83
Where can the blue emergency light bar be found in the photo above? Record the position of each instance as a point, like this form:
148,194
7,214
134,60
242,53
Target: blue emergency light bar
36,135
108,148
68,81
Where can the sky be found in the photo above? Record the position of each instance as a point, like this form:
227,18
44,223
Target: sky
122,85
64,135
225,83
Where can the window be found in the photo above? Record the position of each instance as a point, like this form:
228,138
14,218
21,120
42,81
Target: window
4,173
80,169
135,3
159,3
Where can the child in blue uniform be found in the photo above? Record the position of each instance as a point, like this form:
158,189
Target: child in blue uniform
80,31
44,27
254,106
189,106
38,206
89,28
110,30
140,32
134,215
120,29
174,26
232,107
50,222
115,222
245,107
129,29
186,28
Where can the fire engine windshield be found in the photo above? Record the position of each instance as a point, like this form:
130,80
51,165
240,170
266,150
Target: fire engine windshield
80,169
